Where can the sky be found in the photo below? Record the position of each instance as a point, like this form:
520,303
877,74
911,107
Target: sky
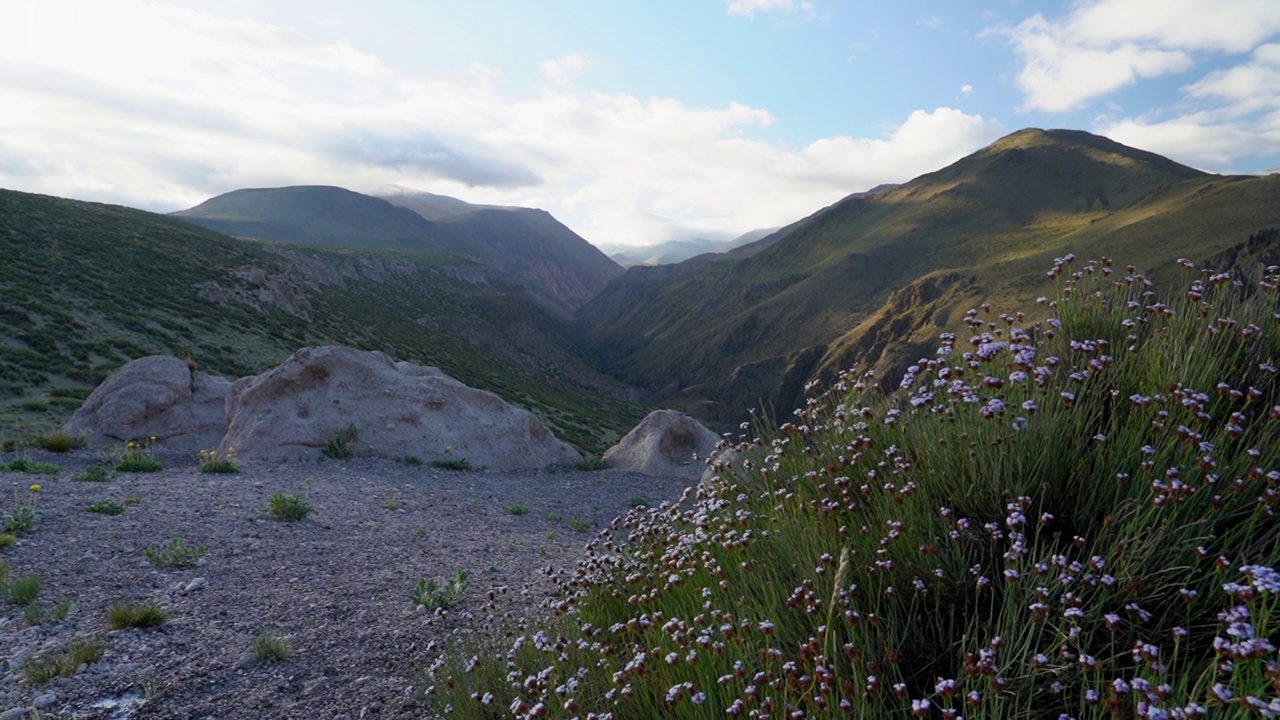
632,121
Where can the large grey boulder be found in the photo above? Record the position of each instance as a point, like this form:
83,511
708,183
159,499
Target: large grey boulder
397,409
157,397
667,443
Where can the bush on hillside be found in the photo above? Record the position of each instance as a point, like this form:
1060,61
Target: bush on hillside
1073,517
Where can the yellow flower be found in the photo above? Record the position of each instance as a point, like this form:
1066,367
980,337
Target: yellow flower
35,488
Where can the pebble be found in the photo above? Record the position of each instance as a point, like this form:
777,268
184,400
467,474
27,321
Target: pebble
16,713
196,584
44,701
247,661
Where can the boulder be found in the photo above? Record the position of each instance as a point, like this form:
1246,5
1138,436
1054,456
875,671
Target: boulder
395,409
157,397
667,443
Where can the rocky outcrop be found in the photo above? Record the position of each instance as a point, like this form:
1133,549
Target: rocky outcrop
320,395
666,443
157,397
390,409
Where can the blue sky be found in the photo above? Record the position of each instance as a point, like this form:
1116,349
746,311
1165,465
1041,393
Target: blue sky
633,122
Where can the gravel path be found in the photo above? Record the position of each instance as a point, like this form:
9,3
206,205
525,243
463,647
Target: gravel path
336,585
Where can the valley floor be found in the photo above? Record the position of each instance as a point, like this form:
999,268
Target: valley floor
336,586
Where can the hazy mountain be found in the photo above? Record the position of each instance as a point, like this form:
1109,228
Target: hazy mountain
86,287
428,205
528,246
876,276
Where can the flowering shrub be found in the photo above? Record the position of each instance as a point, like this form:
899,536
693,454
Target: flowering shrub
1072,518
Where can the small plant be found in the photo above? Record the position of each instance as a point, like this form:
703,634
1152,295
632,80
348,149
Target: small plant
340,447
7,540
555,517
26,465
592,464
212,461
391,503
21,591
431,595
287,507
93,473
457,464
177,554
106,507
579,524
517,510
412,460
84,651
38,615
142,615
35,405
138,457
24,515
59,441
132,500
270,647
638,501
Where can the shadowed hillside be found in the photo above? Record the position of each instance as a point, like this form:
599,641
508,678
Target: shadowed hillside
877,275
86,287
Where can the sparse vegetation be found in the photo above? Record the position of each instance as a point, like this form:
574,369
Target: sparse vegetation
578,524
455,464
212,461
59,441
27,465
7,540
92,473
36,614
25,512
638,501
412,460
1069,517
289,508
106,507
139,615
22,590
342,446
177,554
516,510
592,463
138,456
432,595
81,651
269,646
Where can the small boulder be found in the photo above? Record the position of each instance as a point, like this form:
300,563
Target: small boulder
667,443
396,409
157,396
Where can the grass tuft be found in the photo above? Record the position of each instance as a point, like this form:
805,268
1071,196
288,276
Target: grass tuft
270,647
142,615
289,508
93,473
177,554
82,651
106,507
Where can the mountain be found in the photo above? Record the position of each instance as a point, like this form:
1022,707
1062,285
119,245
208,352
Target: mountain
526,246
429,205
666,253
874,278
86,287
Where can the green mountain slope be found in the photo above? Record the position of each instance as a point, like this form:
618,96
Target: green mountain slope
86,287
528,247
862,280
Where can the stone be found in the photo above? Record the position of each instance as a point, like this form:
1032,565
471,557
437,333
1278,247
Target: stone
396,409
44,701
196,584
158,397
667,443
16,713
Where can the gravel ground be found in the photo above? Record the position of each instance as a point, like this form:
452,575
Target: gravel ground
336,586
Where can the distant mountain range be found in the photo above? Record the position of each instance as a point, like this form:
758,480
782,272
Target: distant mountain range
874,278
511,300
528,246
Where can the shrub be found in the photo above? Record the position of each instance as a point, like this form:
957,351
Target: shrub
27,465
177,554
287,507
106,507
517,510
412,460
579,524
268,646
21,591
212,461
456,464
59,441
7,540
92,473
638,501
434,596
139,457
142,615
23,517
592,464
342,447
1070,517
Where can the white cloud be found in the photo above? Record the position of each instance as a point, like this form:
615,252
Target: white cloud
158,107
966,89
1104,45
563,71
749,8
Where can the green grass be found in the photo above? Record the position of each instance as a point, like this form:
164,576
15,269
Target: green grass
27,465
516,510
143,464
269,647
22,590
176,554
412,460
65,663
93,473
212,461
1030,519
592,464
35,614
106,507
7,540
289,508
341,446
140,615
